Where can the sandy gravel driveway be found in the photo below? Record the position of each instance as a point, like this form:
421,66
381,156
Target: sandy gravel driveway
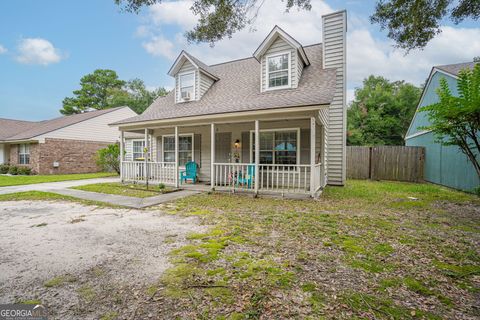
83,261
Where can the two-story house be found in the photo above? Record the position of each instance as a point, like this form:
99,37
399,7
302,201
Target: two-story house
274,122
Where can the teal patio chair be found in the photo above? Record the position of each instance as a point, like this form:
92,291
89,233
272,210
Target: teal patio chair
190,172
246,178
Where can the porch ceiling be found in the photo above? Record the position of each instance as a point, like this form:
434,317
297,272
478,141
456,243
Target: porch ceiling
271,115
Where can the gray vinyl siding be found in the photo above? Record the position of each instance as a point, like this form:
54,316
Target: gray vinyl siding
93,129
240,131
334,49
201,152
323,116
187,67
296,64
205,84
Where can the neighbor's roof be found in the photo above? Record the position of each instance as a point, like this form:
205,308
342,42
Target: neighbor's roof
10,127
238,89
454,69
42,127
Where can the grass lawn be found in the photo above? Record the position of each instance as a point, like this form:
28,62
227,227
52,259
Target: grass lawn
131,190
20,180
365,251
50,196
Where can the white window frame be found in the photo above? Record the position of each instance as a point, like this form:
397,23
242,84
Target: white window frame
26,152
267,82
179,93
143,153
277,130
180,135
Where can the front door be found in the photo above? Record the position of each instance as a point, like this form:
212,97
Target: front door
223,142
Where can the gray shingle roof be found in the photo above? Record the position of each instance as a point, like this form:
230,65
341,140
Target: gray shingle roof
10,127
455,68
42,127
238,89
201,65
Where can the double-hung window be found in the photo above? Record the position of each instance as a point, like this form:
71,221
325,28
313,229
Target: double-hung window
278,74
187,86
185,149
24,153
277,147
137,150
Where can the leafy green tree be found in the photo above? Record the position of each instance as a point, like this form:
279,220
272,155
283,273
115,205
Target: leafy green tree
455,120
217,19
108,158
102,90
94,92
413,23
381,112
135,95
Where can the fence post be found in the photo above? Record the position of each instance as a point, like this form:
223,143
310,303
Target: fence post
370,163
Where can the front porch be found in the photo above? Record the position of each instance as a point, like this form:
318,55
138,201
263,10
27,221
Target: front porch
282,155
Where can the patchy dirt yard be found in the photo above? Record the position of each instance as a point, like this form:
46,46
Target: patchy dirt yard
369,250
84,261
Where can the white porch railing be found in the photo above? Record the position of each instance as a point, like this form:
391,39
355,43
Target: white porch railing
282,178
234,176
285,178
156,172
317,181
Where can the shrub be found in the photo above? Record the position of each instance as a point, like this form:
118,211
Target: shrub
161,186
13,170
26,171
4,168
109,158
477,191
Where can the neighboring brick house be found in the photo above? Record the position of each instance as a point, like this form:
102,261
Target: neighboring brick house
62,145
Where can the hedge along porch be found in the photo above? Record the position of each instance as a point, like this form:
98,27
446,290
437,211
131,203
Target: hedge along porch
289,151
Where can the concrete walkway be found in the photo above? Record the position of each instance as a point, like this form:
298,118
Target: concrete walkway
131,202
50,186
62,187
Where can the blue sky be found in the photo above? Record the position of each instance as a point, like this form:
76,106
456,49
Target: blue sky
47,46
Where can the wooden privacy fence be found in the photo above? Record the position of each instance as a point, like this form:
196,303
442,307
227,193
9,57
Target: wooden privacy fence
386,163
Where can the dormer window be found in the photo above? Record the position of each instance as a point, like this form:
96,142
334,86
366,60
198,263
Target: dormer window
187,86
278,71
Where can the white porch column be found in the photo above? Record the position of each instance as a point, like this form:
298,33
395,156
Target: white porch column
312,156
257,156
145,156
122,148
177,182
212,155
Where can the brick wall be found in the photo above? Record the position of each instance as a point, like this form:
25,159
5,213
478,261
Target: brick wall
34,155
73,156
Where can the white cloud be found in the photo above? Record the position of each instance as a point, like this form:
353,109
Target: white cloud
37,51
159,46
3,49
173,13
367,55
302,25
